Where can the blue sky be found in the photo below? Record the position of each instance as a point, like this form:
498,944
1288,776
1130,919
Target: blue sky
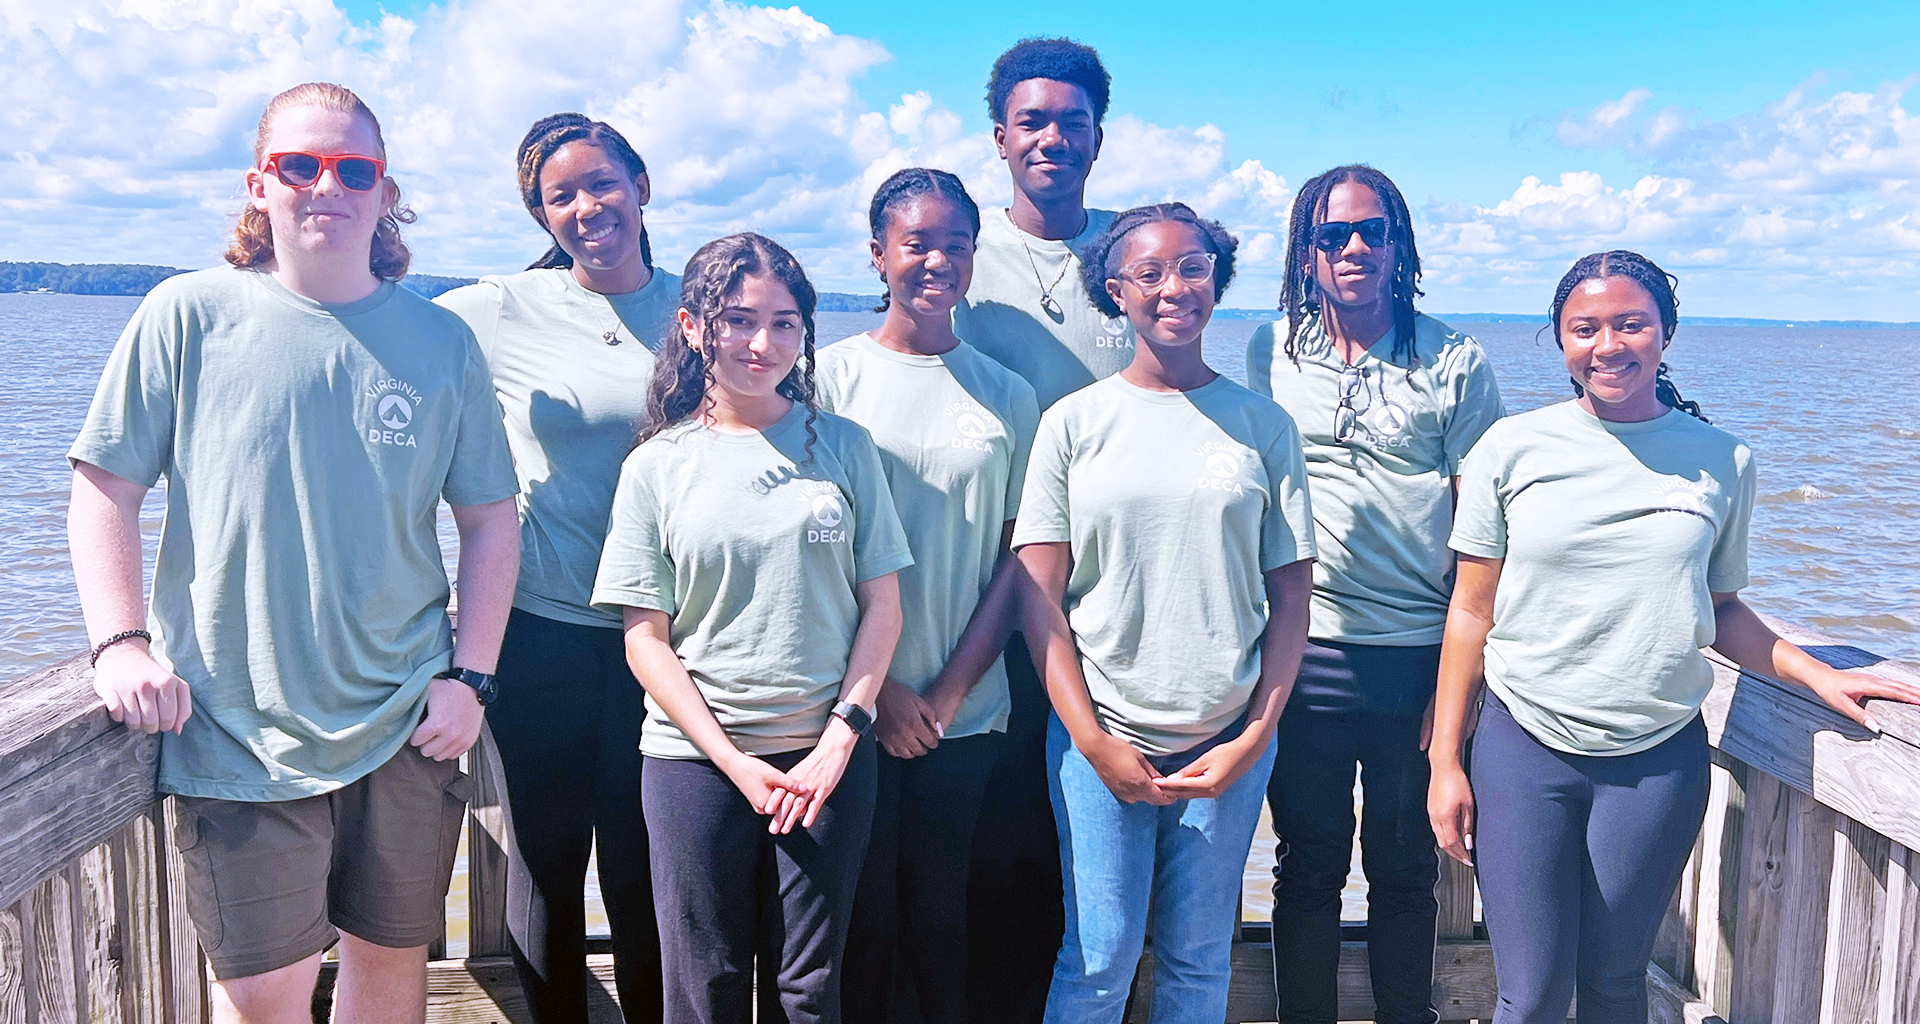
1768,153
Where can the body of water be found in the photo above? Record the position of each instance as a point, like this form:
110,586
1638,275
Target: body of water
1833,545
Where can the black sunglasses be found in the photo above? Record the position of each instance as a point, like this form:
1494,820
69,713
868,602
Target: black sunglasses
1331,237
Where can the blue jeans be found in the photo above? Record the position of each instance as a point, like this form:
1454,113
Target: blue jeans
1131,870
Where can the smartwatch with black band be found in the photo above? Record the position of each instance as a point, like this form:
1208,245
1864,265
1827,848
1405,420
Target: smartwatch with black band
856,717
484,686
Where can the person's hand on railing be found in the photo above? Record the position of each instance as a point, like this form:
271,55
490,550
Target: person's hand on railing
1847,692
139,691
454,717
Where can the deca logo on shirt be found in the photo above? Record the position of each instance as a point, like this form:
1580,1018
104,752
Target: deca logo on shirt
829,513
1113,334
972,426
1223,461
394,405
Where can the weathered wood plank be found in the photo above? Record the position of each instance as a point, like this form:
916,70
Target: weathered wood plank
136,915
72,805
182,966
1899,720
13,967
1900,973
489,837
1787,733
484,990
98,954
1455,893
1802,952
1462,983
1849,990
54,996
1720,864
1757,909
47,715
1669,1002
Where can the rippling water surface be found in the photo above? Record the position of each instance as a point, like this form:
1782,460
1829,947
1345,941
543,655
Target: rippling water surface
1834,542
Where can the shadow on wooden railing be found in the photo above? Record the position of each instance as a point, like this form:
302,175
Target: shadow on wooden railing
1801,904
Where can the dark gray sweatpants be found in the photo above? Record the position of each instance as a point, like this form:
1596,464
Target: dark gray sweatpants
727,893
1577,860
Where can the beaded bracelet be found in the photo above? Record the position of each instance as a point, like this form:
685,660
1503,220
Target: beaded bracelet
118,638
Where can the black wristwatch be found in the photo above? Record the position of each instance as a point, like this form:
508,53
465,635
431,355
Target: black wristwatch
857,718
483,684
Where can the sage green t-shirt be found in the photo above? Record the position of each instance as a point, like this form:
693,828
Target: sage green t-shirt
1383,500
1060,349
1174,505
1614,536
752,548
306,447
572,402
953,431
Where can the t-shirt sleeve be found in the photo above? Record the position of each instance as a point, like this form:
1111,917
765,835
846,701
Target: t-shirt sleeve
1479,517
479,305
1260,360
1476,405
129,427
482,467
1286,528
879,541
635,571
1043,495
1727,565
1024,421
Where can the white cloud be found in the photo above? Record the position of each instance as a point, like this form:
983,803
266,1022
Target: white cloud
130,124
1606,123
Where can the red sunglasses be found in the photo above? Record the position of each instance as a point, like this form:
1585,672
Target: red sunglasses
299,170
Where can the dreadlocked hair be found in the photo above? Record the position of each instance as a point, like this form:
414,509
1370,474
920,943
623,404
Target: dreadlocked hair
904,185
1100,261
1659,284
683,372
1299,296
545,139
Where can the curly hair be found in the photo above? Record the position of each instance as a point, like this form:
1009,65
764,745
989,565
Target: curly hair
1298,292
904,185
545,139
252,243
1052,58
1658,283
1100,261
683,373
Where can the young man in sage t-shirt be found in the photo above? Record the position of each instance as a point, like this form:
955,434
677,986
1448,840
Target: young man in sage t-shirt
1027,309
308,416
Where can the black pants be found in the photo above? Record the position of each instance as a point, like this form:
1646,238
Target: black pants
567,724
727,891
1015,908
1578,858
907,949
1354,705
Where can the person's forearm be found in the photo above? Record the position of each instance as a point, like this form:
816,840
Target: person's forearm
874,641
103,534
1041,582
489,567
1462,672
664,676
984,638
1752,644
1289,590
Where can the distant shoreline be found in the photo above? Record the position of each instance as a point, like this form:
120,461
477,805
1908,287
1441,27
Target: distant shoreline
135,279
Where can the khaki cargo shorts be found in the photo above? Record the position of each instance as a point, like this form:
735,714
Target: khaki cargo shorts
267,883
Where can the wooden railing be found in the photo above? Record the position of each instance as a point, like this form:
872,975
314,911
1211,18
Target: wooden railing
1800,905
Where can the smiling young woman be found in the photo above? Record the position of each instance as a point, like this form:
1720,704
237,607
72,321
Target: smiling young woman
571,343
1602,543
1388,401
1167,534
954,429
752,553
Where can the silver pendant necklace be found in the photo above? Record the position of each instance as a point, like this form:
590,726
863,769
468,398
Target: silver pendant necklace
1047,301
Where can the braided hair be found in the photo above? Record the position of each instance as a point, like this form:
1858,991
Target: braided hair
1298,294
683,373
904,185
1659,284
1100,261
545,139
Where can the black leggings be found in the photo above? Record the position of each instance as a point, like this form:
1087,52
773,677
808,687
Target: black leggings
727,893
1577,859
907,948
567,724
